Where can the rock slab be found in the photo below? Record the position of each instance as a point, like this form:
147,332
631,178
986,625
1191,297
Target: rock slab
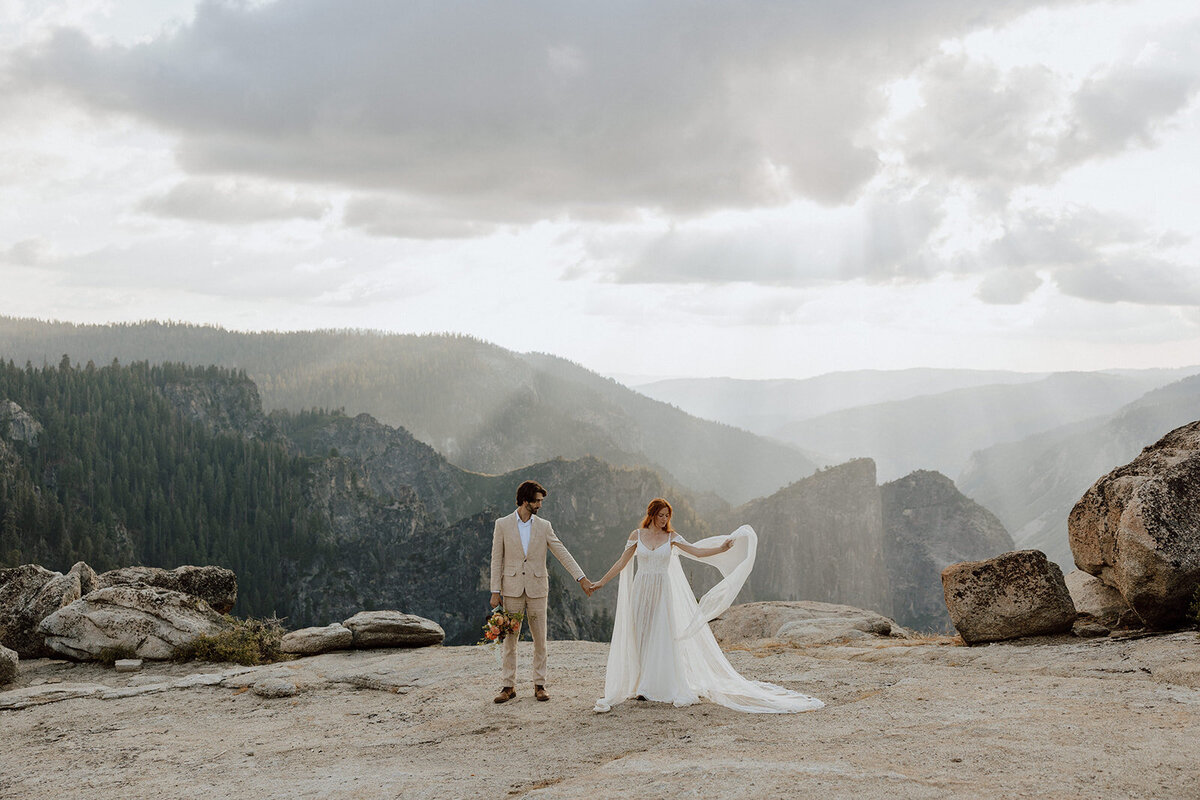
139,621
216,586
274,688
1137,529
9,662
393,629
1012,595
311,641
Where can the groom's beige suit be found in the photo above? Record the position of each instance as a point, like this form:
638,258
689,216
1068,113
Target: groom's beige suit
520,577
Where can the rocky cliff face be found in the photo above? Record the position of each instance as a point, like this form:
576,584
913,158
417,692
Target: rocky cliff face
820,538
928,525
17,424
220,404
408,530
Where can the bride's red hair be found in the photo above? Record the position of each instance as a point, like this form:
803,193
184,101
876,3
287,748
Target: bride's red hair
657,505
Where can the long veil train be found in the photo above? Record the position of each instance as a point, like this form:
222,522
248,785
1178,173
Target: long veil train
706,672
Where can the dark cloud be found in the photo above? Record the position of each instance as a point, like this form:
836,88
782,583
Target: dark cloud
567,107
231,203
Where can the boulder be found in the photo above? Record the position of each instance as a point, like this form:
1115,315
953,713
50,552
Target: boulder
800,622
311,641
28,594
393,629
1015,594
8,665
1138,528
135,621
216,586
1100,601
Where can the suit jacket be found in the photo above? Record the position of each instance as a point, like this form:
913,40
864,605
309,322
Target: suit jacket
514,572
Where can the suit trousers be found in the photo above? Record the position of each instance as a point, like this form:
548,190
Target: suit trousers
534,609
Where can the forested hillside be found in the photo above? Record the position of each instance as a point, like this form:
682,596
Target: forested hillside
118,476
320,515
485,408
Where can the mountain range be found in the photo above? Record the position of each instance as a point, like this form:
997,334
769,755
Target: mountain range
484,408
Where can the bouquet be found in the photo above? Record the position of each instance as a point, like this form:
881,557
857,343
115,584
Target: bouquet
501,623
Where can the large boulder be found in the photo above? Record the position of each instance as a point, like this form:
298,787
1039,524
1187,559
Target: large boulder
136,621
311,641
800,622
1012,595
30,593
1138,528
1101,602
216,586
393,629
8,665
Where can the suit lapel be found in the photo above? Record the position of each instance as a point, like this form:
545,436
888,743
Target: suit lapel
513,532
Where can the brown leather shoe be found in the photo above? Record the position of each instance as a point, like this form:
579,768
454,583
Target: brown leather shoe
540,692
506,694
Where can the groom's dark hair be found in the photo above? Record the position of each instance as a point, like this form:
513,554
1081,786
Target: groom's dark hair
528,491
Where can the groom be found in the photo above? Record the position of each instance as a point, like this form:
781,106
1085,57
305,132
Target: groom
519,577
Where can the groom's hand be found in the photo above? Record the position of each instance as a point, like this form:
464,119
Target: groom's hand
495,599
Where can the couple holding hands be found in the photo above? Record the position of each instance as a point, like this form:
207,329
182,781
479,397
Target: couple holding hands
662,648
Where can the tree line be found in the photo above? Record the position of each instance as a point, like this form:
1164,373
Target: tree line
119,476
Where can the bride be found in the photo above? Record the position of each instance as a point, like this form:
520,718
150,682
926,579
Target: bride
662,648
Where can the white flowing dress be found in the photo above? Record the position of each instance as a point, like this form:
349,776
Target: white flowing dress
662,647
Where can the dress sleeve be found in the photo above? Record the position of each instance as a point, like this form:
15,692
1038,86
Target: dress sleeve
676,537
633,540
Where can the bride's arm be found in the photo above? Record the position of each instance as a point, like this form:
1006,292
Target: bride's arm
699,552
630,547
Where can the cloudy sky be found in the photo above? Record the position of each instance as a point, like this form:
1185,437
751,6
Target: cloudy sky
674,187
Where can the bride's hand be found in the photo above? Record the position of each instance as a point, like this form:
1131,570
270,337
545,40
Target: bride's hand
725,545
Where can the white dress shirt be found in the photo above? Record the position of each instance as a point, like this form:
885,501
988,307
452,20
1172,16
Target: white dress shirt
526,530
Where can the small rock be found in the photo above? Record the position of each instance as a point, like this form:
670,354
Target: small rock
8,665
1012,595
1094,597
127,664
1088,628
275,687
311,641
393,629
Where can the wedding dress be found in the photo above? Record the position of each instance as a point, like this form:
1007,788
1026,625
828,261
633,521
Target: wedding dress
662,647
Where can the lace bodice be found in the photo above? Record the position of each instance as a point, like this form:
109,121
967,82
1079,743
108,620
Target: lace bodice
656,559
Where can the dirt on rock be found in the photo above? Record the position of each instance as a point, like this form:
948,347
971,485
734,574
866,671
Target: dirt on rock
924,718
